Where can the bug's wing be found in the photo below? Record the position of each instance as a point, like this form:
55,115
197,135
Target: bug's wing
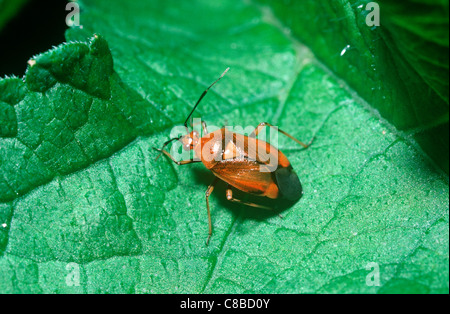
288,183
246,175
261,151
249,147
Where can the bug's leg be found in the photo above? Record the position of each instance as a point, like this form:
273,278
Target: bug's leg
205,128
207,194
264,124
230,198
164,146
179,163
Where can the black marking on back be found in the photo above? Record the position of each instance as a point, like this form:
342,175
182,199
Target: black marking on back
288,183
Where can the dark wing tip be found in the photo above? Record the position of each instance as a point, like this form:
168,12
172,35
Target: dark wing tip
288,184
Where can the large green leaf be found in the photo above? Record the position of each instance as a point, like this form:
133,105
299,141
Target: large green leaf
80,187
400,67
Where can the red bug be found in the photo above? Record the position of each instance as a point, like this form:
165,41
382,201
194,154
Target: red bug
232,163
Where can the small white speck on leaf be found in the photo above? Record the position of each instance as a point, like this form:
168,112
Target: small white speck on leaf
344,51
4,225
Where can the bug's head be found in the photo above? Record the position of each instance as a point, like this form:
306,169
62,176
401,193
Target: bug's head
189,141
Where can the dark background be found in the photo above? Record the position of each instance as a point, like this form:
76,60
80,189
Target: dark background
37,27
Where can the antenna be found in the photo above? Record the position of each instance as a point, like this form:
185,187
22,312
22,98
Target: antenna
203,95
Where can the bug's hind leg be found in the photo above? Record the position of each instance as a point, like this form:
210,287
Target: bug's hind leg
232,199
207,194
264,124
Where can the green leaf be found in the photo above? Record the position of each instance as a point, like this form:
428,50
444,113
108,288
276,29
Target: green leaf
84,201
401,68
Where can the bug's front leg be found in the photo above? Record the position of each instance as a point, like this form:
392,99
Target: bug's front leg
207,194
179,163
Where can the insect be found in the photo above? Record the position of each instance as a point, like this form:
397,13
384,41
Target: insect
237,162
